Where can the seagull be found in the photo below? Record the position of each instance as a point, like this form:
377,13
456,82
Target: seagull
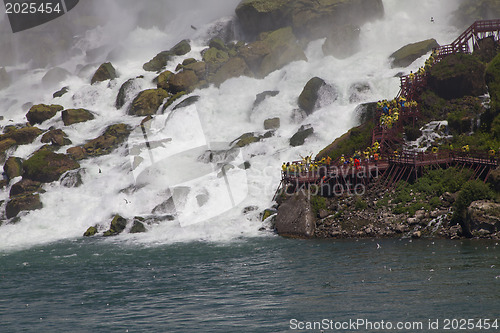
378,246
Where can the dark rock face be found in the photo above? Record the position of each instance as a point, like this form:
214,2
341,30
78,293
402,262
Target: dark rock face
56,137
73,116
295,217
25,186
113,136
310,94
406,55
61,92
300,137
105,72
118,224
457,76
22,203
46,166
122,94
138,226
41,112
13,167
259,98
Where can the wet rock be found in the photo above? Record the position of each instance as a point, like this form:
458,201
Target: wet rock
187,102
118,224
147,102
217,43
234,67
22,136
272,123
183,81
77,153
267,213
22,203
46,166
6,144
105,72
199,68
138,226
259,98
214,59
72,178
41,112
60,93
55,76
121,98
113,136
91,231
73,116
162,58
56,137
246,139
295,217
310,94
13,167
300,137
357,91
25,186
406,55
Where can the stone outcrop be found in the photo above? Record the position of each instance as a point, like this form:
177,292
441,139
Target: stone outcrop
483,217
161,59
105,72
56,137
13,167
406,55
310,94
295,217
118,224
272,123
458,75
147,102
22,203
21,136
73,116
41,112
45,166
302,134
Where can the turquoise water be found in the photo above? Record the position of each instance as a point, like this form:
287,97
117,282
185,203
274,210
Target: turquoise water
247,285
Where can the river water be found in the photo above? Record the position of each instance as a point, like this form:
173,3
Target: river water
264,284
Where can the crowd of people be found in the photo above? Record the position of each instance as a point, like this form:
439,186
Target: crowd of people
390,110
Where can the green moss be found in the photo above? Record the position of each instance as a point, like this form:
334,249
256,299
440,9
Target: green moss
91,231
357,138
411,52
318,203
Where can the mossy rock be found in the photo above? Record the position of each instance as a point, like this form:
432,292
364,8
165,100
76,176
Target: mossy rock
214,59
91,231
183,81
147,102
22,203
113,136
13,167
181,48
105,72
284,49
77,153
74,116
235,67
6,144
348,143
61,92
406,55
458,75
189,61
218,43
162,80
199,68
121,98
172,99
246,139
161,59
256,16
268,212
138,226
259,98
272,123
299,138
187,102
254,53
56,137
25,186
118,224
22,136
41,112
310,94
46,166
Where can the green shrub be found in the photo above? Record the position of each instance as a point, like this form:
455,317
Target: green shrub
471,191
435,202
318,203
360,204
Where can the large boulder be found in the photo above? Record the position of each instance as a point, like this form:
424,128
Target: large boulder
25,186
41,112
118,224
46,166
309,96
235,67
113,136
56,137
13,167
121,98
310,19
458,75
6,144
22,203
214,59
105,72
299,138
183,81
22,136
284,49
73,116
483,215
406,55
147,102
161,59
296,217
